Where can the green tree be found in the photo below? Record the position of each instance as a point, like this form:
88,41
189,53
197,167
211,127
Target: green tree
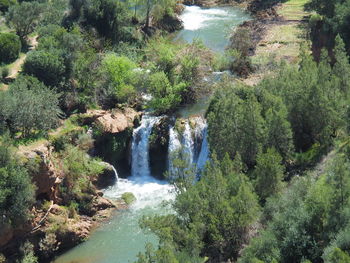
10,47
166,97
16,189
209,222
243,120
120,73
110,18
341,68
30,106
24,18
47,66
268,174
338,256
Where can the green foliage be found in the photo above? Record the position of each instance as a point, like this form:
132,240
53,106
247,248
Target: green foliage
163,54
4,72
24,18
29,106
268,174
341,68
166,97
48,67
27,251
310,219
110,18
207,222
10,47
79,170
128,198
243,120
314,101
339,256
16,189
241,44
120,72
335,20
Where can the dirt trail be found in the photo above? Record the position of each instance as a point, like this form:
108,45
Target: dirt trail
17,65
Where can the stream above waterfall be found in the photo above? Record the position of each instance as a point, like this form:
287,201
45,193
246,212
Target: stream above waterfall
213,25
120,239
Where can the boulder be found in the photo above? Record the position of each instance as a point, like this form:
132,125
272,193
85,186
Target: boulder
117,121
101,203
106,178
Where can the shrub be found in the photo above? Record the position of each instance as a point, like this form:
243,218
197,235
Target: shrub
4,72
10,47
119,71
27,251
29,106
16,189
24,18
128,198
166,97
79,169
47,66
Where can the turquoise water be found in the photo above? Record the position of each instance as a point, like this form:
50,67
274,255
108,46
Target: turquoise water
213,26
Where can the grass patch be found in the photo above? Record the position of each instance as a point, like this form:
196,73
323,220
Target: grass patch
280,42
293,10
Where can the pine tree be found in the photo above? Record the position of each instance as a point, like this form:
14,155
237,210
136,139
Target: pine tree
268,173
341,68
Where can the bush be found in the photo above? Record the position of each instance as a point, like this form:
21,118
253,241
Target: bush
4,72
47,66
29,106
128,198
166,97
119,71
16,189
10,47
79,170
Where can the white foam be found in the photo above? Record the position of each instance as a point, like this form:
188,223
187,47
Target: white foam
195,18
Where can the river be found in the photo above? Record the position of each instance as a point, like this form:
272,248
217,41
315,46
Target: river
120,239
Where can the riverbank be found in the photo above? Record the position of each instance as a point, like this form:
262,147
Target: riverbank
277,33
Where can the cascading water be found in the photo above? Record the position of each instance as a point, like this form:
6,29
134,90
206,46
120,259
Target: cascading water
173,148
193,144
204,152
115,173
188,143
140,147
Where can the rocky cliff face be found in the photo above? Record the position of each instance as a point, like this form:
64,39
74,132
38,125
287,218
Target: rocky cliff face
55,225
45,175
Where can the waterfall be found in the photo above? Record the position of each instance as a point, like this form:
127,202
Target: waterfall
140,147
192,143
174,146
204,152
188,143
115,172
